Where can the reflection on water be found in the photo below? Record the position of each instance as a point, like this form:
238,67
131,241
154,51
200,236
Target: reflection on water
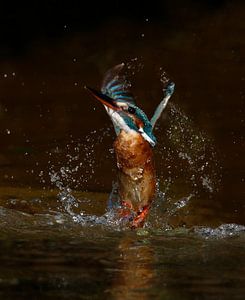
47,253
136,274
50,256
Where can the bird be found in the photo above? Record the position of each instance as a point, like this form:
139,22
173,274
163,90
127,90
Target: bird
133,145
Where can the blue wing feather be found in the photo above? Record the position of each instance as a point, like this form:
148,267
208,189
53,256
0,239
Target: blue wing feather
162,105
115,85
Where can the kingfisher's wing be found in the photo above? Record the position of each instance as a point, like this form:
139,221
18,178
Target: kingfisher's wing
115,85
162,105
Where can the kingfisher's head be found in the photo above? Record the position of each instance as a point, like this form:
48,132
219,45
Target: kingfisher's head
120,106
126,116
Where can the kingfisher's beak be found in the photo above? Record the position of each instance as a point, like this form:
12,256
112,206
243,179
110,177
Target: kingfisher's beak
104,99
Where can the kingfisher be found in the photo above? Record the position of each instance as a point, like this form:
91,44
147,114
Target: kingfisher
133,145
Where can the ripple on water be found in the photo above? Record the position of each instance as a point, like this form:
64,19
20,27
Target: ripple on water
223,231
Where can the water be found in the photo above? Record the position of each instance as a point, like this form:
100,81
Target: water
57,166
59,240
46,256
62,242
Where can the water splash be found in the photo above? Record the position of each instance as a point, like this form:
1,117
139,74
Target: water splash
194,148
134,65
65,196
164,78
76,166
223,231
187,149
188,165
186,159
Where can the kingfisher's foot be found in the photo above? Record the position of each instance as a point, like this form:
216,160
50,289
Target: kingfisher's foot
125,213
140,219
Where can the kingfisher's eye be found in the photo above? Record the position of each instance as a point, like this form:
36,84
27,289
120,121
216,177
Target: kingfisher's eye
131,110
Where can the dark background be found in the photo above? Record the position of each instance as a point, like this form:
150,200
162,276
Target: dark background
23,23
50,49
